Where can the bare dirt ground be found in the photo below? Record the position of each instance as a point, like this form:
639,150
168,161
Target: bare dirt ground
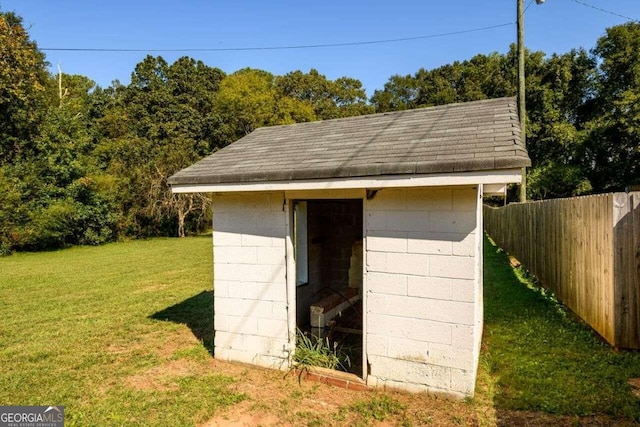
277,399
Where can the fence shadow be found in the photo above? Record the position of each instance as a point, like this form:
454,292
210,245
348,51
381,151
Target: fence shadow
196,312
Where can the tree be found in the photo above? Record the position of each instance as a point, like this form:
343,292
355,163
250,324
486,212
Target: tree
248,99
611,153
343,97
160,123
23,83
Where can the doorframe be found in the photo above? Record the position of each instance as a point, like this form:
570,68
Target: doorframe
290,198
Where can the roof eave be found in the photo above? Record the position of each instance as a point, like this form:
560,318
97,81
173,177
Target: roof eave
495,176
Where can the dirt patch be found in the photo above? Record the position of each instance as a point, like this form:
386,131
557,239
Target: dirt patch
274,398
162,377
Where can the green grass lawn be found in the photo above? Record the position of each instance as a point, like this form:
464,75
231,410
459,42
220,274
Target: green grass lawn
540,358
121,335
81,327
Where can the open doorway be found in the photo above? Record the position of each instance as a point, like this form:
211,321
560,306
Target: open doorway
329,271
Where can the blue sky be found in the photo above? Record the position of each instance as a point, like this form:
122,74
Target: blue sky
556,26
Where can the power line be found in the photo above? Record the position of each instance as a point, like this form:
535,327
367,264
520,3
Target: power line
525,9
289,47
603,10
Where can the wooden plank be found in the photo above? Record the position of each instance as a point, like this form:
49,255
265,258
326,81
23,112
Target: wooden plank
569,245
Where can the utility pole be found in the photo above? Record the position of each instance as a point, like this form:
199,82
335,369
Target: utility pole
522,112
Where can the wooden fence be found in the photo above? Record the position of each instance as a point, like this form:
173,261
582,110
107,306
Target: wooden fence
586,250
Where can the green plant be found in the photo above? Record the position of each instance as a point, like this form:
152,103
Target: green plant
315,351
378,408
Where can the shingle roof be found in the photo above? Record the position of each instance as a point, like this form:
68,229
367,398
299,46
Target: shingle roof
472,136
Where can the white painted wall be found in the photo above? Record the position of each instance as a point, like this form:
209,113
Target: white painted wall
250,289
423,284
424,289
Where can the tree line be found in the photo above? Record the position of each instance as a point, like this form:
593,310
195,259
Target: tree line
82,164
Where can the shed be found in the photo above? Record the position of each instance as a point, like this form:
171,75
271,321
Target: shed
366,230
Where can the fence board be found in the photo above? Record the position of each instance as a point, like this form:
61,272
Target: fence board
586,250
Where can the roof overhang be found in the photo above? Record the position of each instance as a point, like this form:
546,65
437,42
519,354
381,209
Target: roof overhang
502,176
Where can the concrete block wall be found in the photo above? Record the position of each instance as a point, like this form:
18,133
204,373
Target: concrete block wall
250,290
422,289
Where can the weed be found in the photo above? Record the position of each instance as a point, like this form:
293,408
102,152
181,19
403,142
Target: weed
378,407
315,351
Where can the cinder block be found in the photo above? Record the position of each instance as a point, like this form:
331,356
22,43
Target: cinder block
243,325
272,219
384,283
464,245
463,381
270,255
263,273
221,288
452,222
226,272
408,349
235,222
454,312
242,307
425,199
462,337
221,323
410,372
224,238
228,203
388,198
235,255
279,311
260,309
376,220
465,199
452,266
388,241
430,287
451,356
270,362
276,202
429,243
414,264
407,221
261,202
234,355
276,292
244,290
279,242
377,344
414,329
228,340
253,237
272,328
463,290
376,261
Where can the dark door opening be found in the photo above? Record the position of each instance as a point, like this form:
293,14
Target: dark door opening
329,272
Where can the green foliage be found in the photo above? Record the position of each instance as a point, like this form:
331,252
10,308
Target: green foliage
23,84
378,407
552,180
315,351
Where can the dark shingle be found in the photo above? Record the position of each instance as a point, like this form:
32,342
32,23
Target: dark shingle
473,136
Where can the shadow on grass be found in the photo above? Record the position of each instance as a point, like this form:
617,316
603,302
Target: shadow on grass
197,313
